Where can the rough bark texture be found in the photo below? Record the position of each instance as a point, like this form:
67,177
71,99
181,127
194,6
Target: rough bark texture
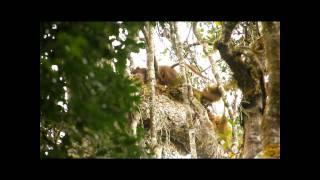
252,138
148,33
271,121
172,128
249,81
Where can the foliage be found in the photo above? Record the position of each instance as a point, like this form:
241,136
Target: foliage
86,96
84,92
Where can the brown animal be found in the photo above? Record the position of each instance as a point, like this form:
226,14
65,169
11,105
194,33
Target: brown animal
223,130
165,75
220,122
140,74
168,76
193,69
210,94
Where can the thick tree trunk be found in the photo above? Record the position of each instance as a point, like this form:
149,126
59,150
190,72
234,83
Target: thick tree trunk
252,142
249,80
271,121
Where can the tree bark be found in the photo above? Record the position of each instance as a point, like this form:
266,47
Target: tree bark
148,33
249,81
187,89
271,120
252,143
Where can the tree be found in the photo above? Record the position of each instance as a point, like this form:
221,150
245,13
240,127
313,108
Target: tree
93,105
148,31
186,87
218,83
271,119
84,94
250,78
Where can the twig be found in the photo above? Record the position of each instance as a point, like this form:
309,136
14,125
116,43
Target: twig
188,33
